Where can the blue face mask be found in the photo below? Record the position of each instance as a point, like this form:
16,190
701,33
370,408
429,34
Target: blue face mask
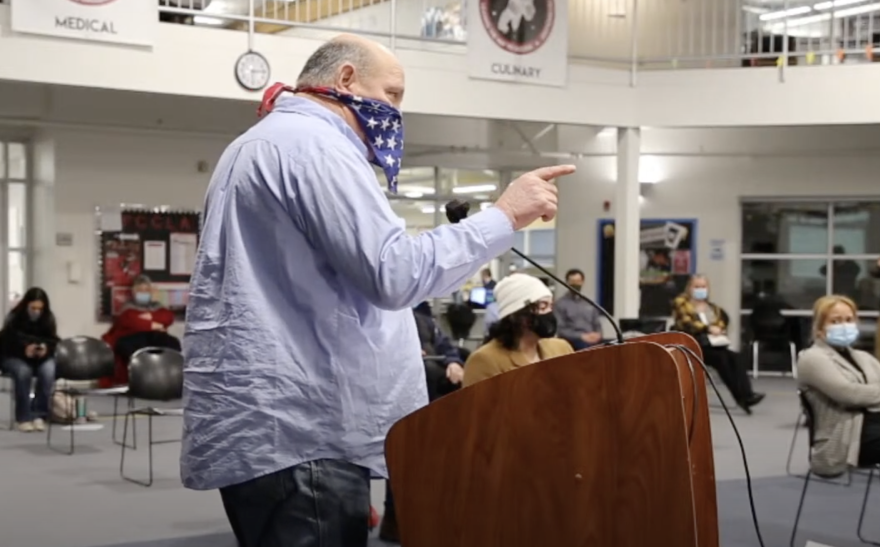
143,298
842,335
700,294
381,123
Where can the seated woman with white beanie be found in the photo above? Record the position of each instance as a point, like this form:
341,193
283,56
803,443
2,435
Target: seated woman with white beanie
524,334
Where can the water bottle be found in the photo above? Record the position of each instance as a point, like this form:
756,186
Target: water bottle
80,407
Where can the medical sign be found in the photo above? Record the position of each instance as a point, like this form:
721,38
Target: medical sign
524,41
131,22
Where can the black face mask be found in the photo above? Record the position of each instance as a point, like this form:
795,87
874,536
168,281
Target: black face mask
577,288
544,325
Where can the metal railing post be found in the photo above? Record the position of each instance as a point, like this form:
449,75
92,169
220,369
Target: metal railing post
393,25
251,25
784,63
634,45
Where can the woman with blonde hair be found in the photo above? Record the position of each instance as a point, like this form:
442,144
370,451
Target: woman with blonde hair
842,387
694,314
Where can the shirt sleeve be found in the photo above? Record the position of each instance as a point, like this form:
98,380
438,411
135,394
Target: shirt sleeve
335,199
446,348
566,328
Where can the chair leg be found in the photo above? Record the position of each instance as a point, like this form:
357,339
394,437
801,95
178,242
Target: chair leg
800,508
797,427
133,415
115,420
756,355
70,450
864,506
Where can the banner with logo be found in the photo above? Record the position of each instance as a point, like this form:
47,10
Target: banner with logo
116,21
522,41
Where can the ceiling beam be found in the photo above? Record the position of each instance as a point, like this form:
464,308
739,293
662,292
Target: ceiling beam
303,12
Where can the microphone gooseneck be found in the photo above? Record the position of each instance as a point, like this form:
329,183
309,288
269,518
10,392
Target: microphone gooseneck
457,210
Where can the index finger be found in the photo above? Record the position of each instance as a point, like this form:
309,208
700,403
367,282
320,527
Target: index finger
553,171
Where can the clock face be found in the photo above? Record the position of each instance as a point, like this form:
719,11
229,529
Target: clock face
252,71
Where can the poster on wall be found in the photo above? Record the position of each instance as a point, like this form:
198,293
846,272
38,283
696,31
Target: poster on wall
161,245
132,22
519,41
667,258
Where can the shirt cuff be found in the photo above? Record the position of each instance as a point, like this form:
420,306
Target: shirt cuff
495,227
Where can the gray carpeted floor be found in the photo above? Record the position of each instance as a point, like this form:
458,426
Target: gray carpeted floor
53,500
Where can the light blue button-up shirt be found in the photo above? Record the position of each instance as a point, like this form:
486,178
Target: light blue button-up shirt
300,342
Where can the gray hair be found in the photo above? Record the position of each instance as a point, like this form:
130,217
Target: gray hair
322,66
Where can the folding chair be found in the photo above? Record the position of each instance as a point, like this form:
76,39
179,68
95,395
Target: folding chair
82,359
808,411
154,374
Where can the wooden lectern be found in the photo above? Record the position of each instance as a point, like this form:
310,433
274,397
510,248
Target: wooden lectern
607,447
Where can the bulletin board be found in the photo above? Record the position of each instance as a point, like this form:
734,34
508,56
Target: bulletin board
159,244
667,259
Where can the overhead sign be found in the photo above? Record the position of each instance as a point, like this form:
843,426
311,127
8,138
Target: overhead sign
522,41
118,21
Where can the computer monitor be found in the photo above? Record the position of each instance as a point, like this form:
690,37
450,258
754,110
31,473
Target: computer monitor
479,296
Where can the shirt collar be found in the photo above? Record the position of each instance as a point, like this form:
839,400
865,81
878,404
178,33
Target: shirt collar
308,107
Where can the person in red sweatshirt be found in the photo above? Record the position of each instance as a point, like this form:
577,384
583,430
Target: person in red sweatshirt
142,323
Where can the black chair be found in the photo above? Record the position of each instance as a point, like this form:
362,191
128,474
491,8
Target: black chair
808,412
771,333
154,374
80,359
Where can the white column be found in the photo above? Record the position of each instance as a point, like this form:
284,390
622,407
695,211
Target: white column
627,224
41,217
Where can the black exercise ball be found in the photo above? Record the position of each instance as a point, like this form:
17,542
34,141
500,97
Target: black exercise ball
83,358
156,374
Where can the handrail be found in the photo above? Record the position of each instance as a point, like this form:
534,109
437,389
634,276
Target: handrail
618,34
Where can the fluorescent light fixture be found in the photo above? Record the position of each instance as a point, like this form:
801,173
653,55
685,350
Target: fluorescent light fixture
607,132
475,189
821,6
773,15
209,21
413,194
842,14
431,209
650,170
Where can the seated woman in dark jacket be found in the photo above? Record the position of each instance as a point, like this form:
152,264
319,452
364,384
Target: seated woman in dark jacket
27,344
695,314
142,323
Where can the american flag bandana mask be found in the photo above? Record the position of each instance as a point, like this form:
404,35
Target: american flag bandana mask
381,123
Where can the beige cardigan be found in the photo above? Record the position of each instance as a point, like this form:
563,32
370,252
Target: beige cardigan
838,395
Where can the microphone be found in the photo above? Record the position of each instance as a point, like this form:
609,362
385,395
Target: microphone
457,210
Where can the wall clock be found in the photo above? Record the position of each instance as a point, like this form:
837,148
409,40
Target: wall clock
252,71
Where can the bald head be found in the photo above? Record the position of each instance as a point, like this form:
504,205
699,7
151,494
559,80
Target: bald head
356,65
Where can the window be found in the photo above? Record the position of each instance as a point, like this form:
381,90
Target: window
799,251
14,263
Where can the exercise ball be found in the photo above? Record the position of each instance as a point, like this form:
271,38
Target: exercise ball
156,374
83,358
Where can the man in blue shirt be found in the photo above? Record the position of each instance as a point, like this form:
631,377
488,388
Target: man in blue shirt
301,348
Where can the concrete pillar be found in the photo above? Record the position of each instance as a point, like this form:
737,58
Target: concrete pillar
41,217
627,223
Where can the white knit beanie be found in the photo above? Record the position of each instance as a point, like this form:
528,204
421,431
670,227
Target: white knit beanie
516,291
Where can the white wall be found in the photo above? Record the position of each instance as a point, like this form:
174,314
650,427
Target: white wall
708,189
106,169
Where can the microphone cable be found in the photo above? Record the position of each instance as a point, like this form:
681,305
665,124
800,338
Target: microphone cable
457,210
688,352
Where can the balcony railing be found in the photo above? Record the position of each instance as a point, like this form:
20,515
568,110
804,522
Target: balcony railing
627,34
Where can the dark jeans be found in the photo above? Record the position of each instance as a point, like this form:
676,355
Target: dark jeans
438,384
869,449
324,503
22,374
128,345
577,344
731,369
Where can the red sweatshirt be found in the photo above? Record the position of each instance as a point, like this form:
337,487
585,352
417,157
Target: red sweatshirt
131,321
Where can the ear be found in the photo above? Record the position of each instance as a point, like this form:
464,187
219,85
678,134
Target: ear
346,77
